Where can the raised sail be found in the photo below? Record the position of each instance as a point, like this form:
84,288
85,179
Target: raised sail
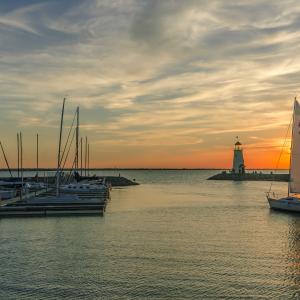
295,152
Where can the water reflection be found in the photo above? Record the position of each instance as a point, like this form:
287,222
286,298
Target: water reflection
177,236
293,254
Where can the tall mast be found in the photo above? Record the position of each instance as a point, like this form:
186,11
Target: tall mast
88,159
77,141
59,147
81,156
85,157
21,162
18,152
291,148
37,157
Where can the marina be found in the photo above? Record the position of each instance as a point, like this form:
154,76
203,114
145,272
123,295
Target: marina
149,150
65,193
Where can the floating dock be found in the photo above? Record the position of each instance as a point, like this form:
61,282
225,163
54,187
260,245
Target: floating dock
255,176
45,203
19,209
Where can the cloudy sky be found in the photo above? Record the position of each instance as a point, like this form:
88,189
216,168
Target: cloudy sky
159,83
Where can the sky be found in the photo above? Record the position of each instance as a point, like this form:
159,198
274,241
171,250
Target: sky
160,84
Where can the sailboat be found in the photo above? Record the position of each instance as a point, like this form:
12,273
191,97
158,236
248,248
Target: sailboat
59,202
292,201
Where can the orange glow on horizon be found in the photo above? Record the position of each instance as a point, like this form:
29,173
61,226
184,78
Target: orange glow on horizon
221,158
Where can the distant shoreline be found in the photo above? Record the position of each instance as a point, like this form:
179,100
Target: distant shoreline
142,169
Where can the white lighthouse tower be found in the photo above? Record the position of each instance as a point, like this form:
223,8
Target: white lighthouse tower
238,166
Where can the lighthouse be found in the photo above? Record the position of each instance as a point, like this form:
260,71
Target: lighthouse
238,166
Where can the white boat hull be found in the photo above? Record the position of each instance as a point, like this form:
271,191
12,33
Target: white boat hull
4,195
286,204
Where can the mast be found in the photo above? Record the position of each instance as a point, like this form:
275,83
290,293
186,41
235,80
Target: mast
77,141
37,157
291,147
85,156
59,147
81,156
18,152
88,160
21,162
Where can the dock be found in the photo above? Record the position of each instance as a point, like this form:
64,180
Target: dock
47,204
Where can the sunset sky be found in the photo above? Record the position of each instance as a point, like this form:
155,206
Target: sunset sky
159,83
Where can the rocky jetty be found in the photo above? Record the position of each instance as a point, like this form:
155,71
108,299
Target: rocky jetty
255,176
119,181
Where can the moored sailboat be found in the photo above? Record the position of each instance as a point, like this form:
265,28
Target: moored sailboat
292,201
68,199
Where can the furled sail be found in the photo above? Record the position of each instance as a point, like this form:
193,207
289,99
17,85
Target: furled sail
295,152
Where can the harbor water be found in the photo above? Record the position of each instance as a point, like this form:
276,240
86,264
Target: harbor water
175,236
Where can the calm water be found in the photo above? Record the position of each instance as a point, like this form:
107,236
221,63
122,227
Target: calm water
176,236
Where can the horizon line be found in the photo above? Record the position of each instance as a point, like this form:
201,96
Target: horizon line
114,169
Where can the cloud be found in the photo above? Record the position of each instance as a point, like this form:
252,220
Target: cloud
19,18
152,73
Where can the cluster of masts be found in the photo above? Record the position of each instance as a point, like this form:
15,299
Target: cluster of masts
80,164
63,154
68,193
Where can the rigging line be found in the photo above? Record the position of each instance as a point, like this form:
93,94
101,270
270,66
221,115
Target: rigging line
281,152
68,150
7,165
70,130
70,173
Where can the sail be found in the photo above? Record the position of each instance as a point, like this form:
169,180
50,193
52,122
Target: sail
295,152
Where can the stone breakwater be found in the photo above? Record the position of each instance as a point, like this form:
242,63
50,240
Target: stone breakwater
119,181
258,176
113,180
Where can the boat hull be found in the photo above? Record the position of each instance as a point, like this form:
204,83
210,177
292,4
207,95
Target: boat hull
285,204
4,195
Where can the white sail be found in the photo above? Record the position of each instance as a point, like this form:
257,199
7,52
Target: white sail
295,152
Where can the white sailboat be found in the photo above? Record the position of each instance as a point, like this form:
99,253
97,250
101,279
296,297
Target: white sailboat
292,201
